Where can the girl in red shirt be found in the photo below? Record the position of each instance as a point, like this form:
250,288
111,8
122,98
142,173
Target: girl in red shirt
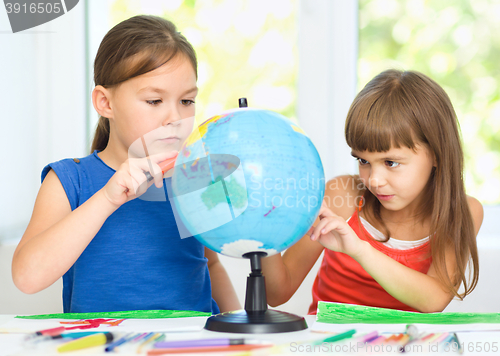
400,234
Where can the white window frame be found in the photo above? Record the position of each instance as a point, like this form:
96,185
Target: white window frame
327,78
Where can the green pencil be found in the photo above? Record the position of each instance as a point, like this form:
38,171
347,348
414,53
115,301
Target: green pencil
337,337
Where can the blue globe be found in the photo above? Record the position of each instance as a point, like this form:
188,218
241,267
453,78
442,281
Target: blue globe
248,180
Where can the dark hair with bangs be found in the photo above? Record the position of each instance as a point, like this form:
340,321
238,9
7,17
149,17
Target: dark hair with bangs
405,109
134,47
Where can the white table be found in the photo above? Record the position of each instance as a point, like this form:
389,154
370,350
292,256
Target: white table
291,343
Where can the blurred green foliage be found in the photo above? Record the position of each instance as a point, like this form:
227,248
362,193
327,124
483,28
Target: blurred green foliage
244,48
457,43
247,48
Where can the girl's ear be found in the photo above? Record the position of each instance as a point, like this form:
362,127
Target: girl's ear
101,99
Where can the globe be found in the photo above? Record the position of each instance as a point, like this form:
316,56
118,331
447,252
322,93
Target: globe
248,180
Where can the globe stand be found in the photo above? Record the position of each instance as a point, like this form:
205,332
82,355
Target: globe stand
256,317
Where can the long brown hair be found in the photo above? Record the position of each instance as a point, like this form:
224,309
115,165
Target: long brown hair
133,47
403,109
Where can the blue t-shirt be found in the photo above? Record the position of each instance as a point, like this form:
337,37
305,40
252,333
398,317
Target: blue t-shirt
137,260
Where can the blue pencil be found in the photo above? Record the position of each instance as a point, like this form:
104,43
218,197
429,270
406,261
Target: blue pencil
148,339
121,341
460,349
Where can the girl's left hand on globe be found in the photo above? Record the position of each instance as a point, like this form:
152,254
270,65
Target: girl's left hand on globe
334,233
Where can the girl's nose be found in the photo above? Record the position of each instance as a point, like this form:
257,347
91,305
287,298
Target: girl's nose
172,116
376,179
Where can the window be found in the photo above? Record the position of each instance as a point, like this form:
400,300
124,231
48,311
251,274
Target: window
244,48
251,49
455,42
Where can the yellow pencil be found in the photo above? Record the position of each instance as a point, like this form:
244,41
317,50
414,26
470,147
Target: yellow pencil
85,342
147,341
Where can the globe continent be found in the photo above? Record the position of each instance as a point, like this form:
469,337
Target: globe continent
248,180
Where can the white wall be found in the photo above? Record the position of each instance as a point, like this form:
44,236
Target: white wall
484,298
42,115
42,118
13,301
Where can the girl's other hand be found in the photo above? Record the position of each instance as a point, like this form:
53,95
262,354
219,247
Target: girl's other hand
334,233
130,180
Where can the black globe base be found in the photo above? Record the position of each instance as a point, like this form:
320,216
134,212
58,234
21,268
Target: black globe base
256,317
270,321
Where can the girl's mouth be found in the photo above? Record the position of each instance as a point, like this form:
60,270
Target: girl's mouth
170,140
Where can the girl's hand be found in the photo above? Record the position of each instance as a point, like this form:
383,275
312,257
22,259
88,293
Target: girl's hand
130,180
334,233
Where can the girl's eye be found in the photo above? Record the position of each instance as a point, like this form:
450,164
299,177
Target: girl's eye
392,164
187,102
362,161
153,102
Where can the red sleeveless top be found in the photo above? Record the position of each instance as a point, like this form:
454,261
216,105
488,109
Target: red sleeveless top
341,279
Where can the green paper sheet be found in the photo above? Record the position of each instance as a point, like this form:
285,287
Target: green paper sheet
337,313
133,314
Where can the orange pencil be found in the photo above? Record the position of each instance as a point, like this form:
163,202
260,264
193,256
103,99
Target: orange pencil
165,166
202,349
404,339
391,338
397,338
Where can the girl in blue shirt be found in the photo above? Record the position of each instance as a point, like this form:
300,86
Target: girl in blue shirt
116,252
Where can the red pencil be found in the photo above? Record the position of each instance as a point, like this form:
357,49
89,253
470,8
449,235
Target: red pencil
54,331
201,349
47,332
427,337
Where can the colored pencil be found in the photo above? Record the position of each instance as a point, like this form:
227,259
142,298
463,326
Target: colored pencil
184,350
368,337
379,340
149,338
86,342
338,337
460,349
119,342
427,337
